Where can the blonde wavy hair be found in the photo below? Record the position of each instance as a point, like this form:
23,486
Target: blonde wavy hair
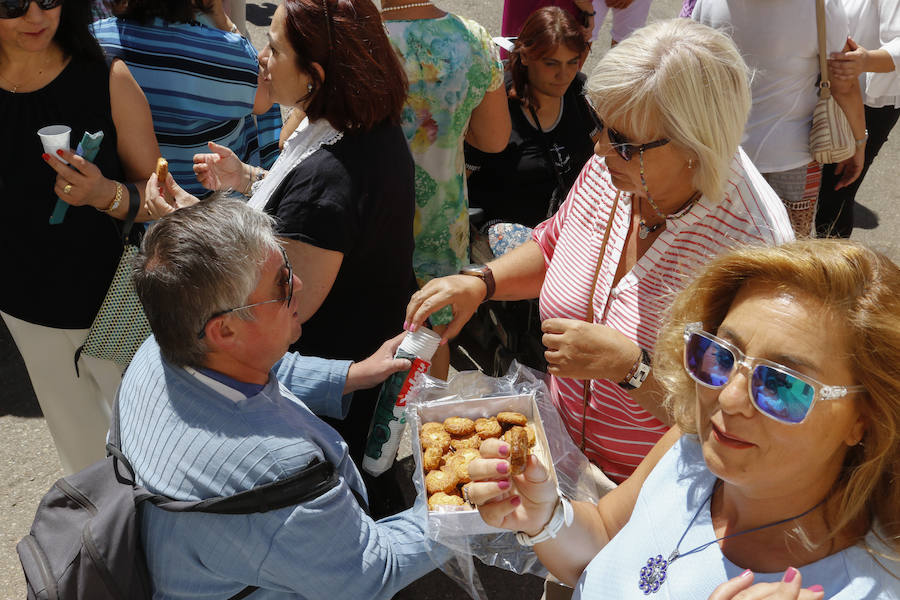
684,81
860,288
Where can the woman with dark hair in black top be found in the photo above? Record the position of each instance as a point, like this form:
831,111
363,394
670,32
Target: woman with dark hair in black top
552,125
55,276
342,190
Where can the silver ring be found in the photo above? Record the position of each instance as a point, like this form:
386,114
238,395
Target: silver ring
465,493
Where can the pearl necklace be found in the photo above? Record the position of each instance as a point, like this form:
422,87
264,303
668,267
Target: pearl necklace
402,6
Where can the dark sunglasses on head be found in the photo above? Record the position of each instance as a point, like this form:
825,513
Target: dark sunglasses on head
619,142
776,391
289,288
11,9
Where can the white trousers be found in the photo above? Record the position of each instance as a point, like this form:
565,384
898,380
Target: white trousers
625,21
76,409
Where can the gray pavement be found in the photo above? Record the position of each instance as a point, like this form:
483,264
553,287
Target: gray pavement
28,461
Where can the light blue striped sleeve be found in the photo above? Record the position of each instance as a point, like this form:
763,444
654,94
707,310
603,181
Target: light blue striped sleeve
318,382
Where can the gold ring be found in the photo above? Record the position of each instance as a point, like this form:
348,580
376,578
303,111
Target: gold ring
67,189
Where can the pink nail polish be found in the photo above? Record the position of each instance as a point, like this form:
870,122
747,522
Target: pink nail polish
405,324
503,449
503,484
816,588
503,468
790,574
747,573
515,501
412,328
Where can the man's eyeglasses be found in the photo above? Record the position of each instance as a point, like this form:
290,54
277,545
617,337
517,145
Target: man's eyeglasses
12,9
776,391
289,285
619,142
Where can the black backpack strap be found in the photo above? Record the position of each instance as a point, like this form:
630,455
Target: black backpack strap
244,592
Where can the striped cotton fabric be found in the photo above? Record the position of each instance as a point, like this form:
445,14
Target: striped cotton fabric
201,84
619,433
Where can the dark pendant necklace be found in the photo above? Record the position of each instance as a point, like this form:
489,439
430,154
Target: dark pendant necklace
654,573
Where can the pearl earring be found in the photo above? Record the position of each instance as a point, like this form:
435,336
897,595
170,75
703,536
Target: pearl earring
309,87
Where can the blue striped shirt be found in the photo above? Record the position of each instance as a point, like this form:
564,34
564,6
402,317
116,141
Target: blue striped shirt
201,84
189,438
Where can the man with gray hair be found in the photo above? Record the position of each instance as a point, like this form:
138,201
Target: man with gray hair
213,405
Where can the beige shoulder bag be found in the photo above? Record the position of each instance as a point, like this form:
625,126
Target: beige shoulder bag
831,138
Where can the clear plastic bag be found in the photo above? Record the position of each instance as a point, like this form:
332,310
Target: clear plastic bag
471,392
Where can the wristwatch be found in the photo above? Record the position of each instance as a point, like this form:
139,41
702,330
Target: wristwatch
484,273
638,373
563,515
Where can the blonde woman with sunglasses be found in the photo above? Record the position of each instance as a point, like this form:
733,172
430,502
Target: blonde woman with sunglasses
667,189
781,478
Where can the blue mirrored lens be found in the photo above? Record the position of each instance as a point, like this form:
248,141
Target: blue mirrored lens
707,361
781,395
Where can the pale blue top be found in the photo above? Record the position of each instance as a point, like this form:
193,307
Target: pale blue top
670,497
192,437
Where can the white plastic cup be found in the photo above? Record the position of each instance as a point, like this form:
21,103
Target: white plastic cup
389,419
54,137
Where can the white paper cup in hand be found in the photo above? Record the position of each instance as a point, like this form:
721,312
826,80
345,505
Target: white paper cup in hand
54,137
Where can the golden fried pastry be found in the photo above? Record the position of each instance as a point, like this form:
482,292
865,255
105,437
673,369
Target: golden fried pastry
458,463
430,427
162,170
518,450
432,458
507,419
472,441
437,439
440,481
488,428
532,438
459,426
442,499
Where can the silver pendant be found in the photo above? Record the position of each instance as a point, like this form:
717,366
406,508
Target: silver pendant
653,575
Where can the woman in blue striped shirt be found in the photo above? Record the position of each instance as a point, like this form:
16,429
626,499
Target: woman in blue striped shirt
200,78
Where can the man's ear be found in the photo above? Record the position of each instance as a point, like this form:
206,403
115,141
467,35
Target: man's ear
219,333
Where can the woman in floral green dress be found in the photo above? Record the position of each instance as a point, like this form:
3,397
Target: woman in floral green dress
455,92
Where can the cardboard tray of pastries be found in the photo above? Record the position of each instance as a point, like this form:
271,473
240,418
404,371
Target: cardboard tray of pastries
444,451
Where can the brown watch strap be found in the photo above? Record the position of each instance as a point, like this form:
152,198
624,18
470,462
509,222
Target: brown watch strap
484,273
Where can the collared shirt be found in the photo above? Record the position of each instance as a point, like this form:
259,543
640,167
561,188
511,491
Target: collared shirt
619,433
191,437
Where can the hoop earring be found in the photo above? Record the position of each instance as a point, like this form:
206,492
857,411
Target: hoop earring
690,163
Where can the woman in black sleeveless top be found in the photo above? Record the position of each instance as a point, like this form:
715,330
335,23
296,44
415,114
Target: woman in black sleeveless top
52,72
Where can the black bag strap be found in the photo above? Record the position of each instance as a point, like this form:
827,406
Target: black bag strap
545,146
312,481
134,206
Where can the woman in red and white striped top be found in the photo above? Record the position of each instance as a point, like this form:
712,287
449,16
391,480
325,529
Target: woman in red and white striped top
668,189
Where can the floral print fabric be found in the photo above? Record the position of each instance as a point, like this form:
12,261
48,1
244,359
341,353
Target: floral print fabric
451,63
